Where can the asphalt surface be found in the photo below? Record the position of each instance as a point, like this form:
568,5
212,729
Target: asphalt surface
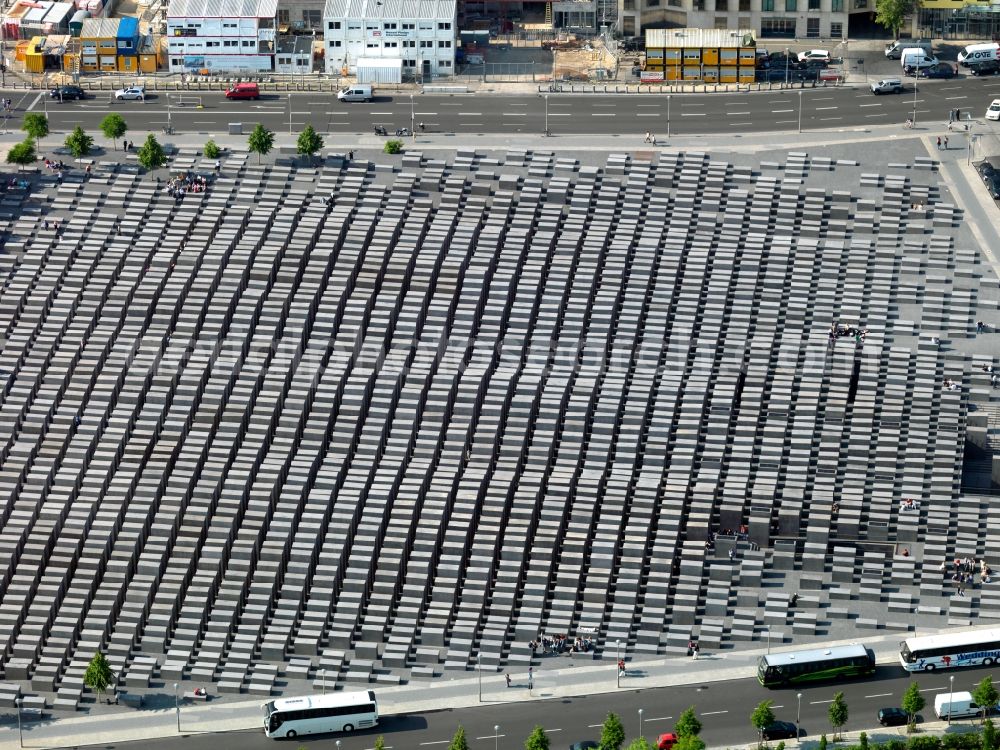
728,113
724,708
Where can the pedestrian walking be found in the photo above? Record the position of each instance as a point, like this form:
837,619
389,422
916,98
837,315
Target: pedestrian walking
652,139
508,679
951,116
531,678
648,136
939,143
958,115
946,143
350,156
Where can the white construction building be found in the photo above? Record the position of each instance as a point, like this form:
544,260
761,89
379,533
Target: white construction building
421,33
221,36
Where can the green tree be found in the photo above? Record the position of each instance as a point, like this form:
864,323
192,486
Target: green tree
863,741
640,743
612,732
985,695
393,147
22,154
838,714
892,13
309,142
761,718
989,735
36,126
537,740
151,154
98,676
261,141
690,742
822,742
688,724
458,742
913,703
79,143
113,126
212,151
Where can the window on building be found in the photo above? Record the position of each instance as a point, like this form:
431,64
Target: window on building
409,43
444,45
778,27
410,63
231,43
229,25
426,44
426,26
699,5
390,26
284,17
837,30
722,5
333,25
629,5
212,44
813,4
353,26
284,60
767,5
837,6
335,43
444,25
371,45
721,22
652,3
812,28
391,45
444,63
312,17
628,26
791,6
745,8
408,27
860,4
373,26
177,61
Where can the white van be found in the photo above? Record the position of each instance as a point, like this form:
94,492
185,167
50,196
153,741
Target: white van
955,705
916,58
894,50
977,53
359,92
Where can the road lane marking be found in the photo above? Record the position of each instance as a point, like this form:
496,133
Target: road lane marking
371,113
470,114
879,695
779,111
737,113
426,114
647,105
592,726
713,713
647,114
783,122
816,703
551,730
658,718
821,109
879,114
445,742
487,737
777,706
870,105
562,114
741,123
830,119
949,98
602,114
932,690
692,114
823,99
515,114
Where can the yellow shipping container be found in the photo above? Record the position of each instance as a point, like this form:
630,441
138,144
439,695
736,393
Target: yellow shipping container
692,56
654,57
710,56
69,61
34,60
711,75
147,62
729,75
691,72
728,56
672,56
127,63
672,73
748,75
748,56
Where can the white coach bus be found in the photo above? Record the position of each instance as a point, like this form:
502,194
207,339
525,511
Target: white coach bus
314,714
969,648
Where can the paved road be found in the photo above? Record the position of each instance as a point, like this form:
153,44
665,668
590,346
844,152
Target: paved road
566,113
723,706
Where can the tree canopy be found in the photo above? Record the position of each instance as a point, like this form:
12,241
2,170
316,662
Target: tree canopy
113,126
913,702
985,695
762,717
688,724
892,13
36,125
151,155
458,741
79,143
838,714
261,141
537,740
22,154
98,676
612,733
309,142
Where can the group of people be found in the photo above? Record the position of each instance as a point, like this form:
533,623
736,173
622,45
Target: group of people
56,166
950,384
965,572
8,104
650,138
838,331
561,644
186,182
945,142
909,505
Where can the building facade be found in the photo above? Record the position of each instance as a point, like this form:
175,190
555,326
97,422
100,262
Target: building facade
221,36
421,33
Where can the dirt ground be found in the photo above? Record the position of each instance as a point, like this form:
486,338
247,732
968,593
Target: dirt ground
583,64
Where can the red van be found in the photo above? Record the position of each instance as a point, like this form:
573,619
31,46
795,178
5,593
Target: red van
244,91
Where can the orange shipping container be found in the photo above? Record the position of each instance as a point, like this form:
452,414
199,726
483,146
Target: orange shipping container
710,56
729,75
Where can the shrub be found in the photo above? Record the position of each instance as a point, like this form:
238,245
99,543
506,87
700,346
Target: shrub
924,742
863,741
212,150
780,745
822,742
393,147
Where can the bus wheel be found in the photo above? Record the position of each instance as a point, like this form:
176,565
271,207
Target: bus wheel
348,727
929,668
988,661
291,734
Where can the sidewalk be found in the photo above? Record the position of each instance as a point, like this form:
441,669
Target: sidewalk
569,680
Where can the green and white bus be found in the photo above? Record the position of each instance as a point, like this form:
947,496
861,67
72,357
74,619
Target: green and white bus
794,667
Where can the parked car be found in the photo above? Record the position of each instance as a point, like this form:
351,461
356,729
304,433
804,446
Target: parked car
887,86
941,70
774,75
132,92
892,717
993,112
585,745
65,93
820,55
993,186
986,170
780,730
985,68
666,741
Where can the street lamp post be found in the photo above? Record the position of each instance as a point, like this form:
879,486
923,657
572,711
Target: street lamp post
413,132
177,709
618,661
496,736
20,737
798,715
546,115
289,113
787,53
668,115
640,722
951,696
914,98
800,130
323,673
479,665
970,137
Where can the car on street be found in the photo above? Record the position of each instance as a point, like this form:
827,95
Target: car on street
993,186
66,93
666,741
985,68
243,91
993,112
986,170
131,93
941,70
585,745
887,86
892,717
819,55
780,730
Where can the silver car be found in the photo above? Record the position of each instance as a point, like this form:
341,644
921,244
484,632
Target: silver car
133,92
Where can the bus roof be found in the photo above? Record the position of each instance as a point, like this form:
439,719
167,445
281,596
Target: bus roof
962,638
324,701
815,654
